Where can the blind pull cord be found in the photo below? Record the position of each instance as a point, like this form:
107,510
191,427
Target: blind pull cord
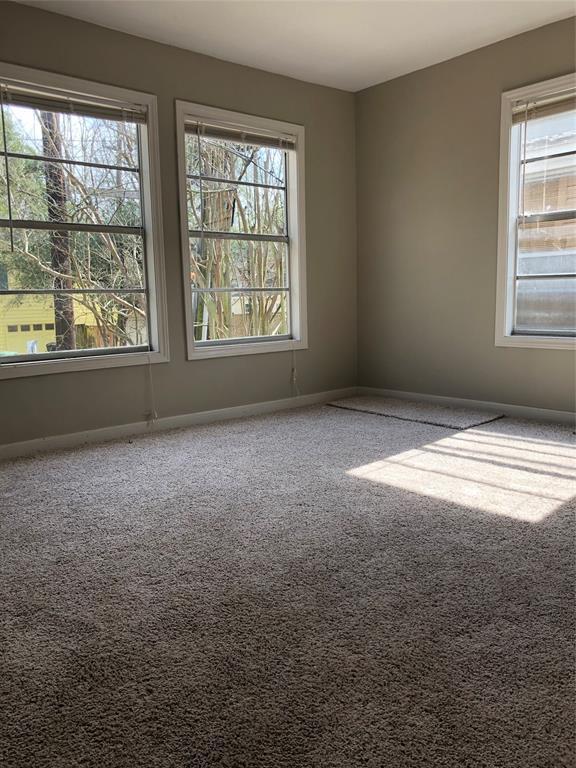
152,415
294,376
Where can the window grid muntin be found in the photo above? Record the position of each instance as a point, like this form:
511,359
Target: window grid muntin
44,159
140,231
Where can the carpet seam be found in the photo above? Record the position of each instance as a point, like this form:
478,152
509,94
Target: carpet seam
417,421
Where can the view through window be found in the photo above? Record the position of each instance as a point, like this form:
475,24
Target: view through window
544,136
236,196
72,237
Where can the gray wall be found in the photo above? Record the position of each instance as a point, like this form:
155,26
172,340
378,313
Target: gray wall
427,159
427,199
69,402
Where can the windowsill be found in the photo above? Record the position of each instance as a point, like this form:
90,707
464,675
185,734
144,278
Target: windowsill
536,342
244,348
88,363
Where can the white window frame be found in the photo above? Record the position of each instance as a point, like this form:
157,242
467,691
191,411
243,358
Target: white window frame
187,112
61,86
507,225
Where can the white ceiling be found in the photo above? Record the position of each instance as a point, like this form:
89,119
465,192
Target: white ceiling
349,44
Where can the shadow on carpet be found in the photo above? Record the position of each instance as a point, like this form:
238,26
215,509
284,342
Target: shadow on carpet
317,588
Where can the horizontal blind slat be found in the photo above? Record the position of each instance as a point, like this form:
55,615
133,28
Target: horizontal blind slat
76,105
532,110
241,135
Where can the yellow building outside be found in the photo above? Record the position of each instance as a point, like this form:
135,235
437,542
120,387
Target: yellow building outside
27,324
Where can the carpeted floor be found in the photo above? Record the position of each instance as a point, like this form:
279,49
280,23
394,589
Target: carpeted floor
319,588
410,410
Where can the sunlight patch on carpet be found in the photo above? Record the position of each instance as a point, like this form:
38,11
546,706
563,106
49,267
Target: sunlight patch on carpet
489,471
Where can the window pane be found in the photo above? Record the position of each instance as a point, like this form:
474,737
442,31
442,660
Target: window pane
547,248
549,135
80,259
229,207
73,193
550,185
219,316
238,264
228,160
241,190
71,321
79,138
546,305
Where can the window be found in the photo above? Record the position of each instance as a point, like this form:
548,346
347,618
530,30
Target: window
80,239
12,328
242,210
536,304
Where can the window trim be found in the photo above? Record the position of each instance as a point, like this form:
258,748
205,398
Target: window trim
295,201
506,232
62,85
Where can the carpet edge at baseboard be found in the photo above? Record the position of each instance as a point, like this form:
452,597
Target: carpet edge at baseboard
163,424
548,415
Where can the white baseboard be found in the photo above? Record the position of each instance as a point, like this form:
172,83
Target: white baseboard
518,411
120,431
71,440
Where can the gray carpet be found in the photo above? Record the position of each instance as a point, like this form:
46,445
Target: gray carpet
426,413
312,589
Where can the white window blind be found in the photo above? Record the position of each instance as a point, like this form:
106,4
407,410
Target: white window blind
79,104
241,135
